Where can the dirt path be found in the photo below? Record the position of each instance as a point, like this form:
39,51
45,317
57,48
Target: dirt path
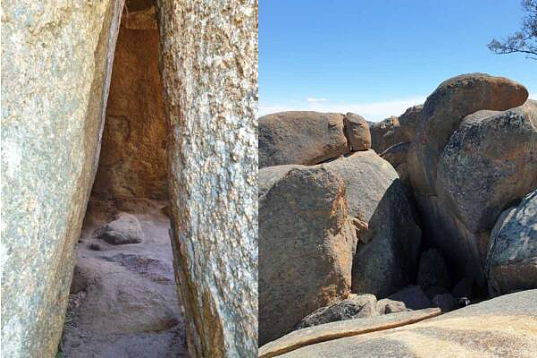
123,300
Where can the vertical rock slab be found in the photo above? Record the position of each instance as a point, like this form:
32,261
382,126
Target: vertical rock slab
208,52
57,59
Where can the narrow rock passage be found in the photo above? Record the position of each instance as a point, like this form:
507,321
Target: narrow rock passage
123,300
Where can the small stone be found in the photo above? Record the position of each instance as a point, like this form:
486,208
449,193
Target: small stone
126,229
413,297
386,306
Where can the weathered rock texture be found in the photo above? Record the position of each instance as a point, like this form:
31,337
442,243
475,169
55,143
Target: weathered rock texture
503,327
301,138
468,163
133,160
512,253
209,69
56,64
305,248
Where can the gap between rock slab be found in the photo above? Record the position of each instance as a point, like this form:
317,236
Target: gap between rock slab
342,329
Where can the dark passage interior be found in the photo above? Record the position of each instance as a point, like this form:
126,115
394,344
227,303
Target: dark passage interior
123,300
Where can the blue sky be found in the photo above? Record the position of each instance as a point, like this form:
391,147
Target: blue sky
377,58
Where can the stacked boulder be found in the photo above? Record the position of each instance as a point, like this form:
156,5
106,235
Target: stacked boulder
333,218
471,154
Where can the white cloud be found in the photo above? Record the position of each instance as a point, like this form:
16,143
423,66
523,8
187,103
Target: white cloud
533,96
316,100
372,111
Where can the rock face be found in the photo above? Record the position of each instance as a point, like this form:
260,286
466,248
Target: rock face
356,306
133,160
500,327
466,167
512,253
56,65
385,133
303,232
210,95
357,131
300,138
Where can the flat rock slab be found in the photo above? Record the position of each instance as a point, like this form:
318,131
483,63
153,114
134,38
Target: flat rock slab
335,330
503,327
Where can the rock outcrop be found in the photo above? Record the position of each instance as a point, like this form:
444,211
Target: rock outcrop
466,167
208,53
56,66
503,326
301,138
512,253
303,232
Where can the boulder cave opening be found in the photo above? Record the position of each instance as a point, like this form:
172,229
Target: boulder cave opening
123,299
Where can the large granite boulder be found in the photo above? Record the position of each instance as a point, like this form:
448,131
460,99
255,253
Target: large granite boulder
383,217
466,167
56,66
489,162
305,248
210,95
300,138
503,327
357,131
512,252
444,110
387,250
385,133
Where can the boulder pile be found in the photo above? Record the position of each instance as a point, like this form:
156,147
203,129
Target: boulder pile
435,208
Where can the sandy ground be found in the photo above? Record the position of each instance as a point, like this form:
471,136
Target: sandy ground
123,299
